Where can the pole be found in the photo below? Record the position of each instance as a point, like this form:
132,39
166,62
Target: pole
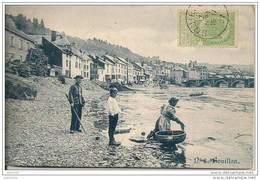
77,116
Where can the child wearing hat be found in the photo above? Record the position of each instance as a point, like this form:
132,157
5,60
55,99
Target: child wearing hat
113,110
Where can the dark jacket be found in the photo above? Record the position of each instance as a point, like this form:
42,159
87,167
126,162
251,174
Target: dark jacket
75,95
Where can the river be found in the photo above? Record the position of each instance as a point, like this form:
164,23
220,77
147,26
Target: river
219,128
213,122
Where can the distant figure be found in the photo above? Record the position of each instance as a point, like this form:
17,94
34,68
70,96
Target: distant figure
113,110
77,102
167,114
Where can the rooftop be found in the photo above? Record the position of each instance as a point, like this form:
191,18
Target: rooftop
10,26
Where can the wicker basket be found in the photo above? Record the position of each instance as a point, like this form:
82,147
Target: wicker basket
170,137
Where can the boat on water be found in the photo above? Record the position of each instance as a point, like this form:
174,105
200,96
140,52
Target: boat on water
196,94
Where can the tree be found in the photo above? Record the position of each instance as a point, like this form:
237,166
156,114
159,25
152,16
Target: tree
20,22
42,25
35,23
29,27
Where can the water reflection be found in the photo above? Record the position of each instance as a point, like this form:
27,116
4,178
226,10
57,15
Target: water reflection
204,116
173,157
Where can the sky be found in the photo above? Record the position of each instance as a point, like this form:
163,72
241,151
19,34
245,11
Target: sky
145,30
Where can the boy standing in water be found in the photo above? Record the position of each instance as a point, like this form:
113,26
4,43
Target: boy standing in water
113,110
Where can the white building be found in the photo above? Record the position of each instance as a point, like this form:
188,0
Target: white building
121,71
110,68
86,61
179,75
130,72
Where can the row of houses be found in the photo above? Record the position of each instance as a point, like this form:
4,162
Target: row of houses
193,71
66,59
70,61
183,73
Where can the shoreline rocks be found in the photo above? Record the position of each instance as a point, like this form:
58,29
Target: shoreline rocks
37,132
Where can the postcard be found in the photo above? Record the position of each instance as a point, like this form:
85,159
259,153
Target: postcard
150,86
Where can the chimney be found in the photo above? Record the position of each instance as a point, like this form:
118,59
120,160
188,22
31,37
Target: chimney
53,35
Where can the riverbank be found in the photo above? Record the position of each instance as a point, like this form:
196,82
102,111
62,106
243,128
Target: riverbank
37,131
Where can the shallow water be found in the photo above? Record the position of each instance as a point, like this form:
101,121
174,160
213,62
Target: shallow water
219,124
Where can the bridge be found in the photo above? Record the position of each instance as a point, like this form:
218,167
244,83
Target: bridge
217,82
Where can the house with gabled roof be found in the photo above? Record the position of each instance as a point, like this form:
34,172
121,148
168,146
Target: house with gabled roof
130,71
196,69
229,72
179,75
17,43
86,62
65,57
110,69
139,76
101,68
38,39
121,70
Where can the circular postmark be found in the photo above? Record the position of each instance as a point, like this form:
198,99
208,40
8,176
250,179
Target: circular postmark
207,22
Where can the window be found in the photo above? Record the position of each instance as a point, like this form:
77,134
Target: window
70,64
12,41
76,64
21,44
28,46
67,63
85,67
79,65
85,74
12,55
21,57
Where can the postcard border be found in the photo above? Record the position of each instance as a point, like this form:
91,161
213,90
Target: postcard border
135,3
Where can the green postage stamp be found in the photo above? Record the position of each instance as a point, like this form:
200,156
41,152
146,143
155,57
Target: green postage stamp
207,27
